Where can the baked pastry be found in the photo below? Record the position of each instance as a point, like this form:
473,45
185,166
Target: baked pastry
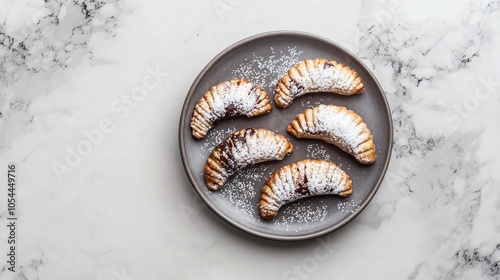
241,149
318,75
231,98
339,126
302,179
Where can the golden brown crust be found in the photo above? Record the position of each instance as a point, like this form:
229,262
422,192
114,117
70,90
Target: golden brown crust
302,179
318,75
241,149
339,126
231,98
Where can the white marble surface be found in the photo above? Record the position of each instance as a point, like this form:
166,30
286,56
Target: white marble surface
125,209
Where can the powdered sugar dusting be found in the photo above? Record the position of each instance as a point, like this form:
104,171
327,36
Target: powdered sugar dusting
241,149
267,70
214,138
307,178
317,151
257,149
322,76
339,126
349,206
312,100
326,78
242,97
302,212
243,190
230,98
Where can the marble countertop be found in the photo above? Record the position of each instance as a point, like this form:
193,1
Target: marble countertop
100,189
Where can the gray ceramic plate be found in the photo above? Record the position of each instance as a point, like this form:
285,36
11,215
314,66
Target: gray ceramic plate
263,59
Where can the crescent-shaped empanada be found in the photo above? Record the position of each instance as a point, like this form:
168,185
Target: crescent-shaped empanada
241,149
231,98
318,75
302,179
339,126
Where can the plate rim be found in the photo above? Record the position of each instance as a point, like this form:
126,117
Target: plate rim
225,217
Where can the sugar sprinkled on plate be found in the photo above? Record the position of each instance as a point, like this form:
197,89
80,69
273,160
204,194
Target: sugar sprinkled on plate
349,206
243,190
317,151
267,70
302,212
310,101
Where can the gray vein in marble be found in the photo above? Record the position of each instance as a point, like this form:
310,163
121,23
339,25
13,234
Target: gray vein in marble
467,258
49,41
386,40
426,182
